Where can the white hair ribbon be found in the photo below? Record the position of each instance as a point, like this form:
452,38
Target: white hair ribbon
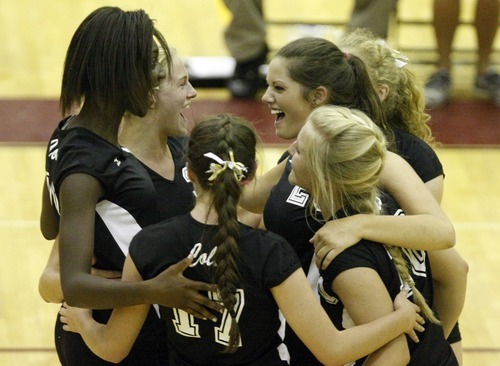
399,59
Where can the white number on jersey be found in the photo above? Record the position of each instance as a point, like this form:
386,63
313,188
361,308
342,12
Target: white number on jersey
185,323
417,261
415,257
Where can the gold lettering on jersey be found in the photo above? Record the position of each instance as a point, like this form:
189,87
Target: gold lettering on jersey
203,259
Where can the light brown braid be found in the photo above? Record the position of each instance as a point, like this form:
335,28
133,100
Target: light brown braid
221,135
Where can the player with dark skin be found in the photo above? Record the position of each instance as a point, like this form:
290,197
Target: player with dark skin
102,102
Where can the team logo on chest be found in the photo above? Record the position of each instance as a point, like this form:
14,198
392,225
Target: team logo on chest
298,197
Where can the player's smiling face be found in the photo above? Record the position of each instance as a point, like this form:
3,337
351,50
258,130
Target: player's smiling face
284,98
174,95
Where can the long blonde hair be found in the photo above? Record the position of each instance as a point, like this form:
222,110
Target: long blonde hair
345,153
404,106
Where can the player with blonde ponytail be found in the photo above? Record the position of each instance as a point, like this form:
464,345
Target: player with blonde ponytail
338,157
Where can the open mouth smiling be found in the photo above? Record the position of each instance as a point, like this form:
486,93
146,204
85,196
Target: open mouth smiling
279,115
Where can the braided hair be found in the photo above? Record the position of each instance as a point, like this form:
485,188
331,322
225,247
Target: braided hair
229,138
346,152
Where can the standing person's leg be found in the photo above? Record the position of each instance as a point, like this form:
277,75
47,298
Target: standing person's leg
486,23
373,15
246,40
445,21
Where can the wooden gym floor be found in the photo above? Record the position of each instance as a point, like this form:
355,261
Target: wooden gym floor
34,38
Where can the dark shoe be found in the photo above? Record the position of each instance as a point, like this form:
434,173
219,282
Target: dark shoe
488,85
437,89
246,80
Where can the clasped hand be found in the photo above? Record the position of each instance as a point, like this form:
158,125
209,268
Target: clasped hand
335,237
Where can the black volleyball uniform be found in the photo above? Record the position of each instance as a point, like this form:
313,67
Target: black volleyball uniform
418,154
129,204
432,349
425,162
175,197
287,214
266,260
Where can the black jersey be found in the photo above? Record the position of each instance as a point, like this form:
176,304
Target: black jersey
128,204
287,214
266,260
426,164
175,197
418,154
433,349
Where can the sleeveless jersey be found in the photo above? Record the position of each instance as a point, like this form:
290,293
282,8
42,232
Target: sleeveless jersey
266,260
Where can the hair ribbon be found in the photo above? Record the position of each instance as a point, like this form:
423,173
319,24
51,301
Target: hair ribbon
221,165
